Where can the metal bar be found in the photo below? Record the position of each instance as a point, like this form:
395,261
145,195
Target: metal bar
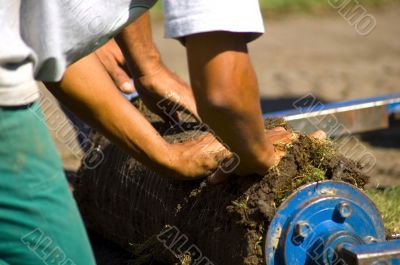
385,253
342,118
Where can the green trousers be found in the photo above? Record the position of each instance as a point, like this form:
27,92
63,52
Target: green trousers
39,219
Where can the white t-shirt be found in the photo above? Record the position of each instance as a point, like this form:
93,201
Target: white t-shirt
40,38
186,17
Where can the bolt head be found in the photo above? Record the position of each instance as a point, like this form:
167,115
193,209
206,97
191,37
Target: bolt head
303,229
370,239
344,209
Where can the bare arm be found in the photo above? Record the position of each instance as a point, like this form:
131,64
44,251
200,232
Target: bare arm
90,93
153,80
226,92
136,42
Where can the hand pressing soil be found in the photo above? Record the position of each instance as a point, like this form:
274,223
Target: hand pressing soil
160,219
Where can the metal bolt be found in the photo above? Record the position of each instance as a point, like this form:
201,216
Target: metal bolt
303,229
370,239
344,209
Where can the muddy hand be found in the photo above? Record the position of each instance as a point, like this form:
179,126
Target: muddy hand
197,158
280,138
165,94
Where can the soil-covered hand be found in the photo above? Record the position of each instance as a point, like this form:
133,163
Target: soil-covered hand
165,94
110,55
279,137
196,158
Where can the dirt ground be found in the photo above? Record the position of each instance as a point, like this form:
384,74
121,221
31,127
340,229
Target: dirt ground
300,55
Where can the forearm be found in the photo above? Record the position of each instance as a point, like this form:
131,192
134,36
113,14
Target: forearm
154,82
227,95
136,43
95,99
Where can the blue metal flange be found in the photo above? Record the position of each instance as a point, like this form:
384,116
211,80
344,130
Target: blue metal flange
317,219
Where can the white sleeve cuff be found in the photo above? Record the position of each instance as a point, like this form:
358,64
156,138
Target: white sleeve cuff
183,18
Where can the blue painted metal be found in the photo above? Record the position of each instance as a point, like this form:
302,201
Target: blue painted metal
343,118
391,102
131,96
318,206
385,253
337,119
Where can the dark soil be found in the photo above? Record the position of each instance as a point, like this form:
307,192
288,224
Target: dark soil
158,219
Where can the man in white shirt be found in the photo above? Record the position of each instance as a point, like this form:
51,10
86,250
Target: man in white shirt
43,40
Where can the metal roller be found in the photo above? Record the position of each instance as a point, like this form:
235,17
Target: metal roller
329,223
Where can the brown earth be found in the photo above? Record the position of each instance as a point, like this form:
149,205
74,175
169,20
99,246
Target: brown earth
140,210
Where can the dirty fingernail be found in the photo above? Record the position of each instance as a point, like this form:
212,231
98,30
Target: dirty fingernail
319,135
127,87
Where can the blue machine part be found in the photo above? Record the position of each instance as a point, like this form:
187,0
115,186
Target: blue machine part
319,220
391,103
384,253
337,119
342,118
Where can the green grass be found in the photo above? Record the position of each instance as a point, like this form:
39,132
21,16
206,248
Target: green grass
313,6
278,7
388,203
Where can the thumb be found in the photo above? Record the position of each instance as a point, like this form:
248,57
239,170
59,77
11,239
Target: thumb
122,80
